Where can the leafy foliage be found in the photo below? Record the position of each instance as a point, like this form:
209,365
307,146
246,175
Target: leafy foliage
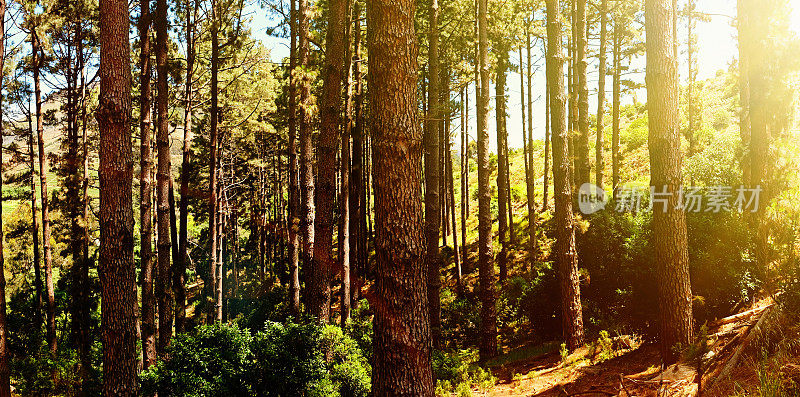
289,359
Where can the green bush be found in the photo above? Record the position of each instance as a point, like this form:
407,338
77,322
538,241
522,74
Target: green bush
292,359
308,359
359,328
209,362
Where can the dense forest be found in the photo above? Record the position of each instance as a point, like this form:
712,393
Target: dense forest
399,198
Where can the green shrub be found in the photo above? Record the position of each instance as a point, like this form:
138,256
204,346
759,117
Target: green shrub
359,328
212,361
450,366
307,359
606,346
292,359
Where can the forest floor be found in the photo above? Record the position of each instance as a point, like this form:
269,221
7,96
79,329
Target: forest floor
631,368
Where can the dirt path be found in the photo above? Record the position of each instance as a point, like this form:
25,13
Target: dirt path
632,372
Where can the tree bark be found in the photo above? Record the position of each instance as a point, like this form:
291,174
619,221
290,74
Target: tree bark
547,133
452,194
690,103
344,175
601,95
529,76
307,210
402,335
5,370
464,190
582,147
530,193
163,176
344,227
48,252
565,254
358,251
669,224
502,168
37,261
486,279
756,39
84,338
615,159
432,146
179,280
327,146
744,91
215,283
117,272
294,188
148,310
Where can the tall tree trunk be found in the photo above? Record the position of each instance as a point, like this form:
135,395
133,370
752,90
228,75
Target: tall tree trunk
72,165
148,314
307,210
344,175
440,152
179,280
601,95
690,103
294,188
530,193
402,335
572,83
452,193
235,251
547,133
615,106
48,252
358,250
529,77
582,146
744,92
565,254
37,261
756,38
327,146
669,224
164,282
215,283
5,370
117,272
464,190
344,227
432,146
502,151
84,337
525,132
488,327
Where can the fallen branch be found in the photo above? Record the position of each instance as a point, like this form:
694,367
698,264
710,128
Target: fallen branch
731,364
649,382
739,316
622,384
590,392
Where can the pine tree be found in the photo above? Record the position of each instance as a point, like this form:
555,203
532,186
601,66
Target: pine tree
433,197
164,294
327,146
117,272
488,325
565,254
669,223
148,319
401,330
